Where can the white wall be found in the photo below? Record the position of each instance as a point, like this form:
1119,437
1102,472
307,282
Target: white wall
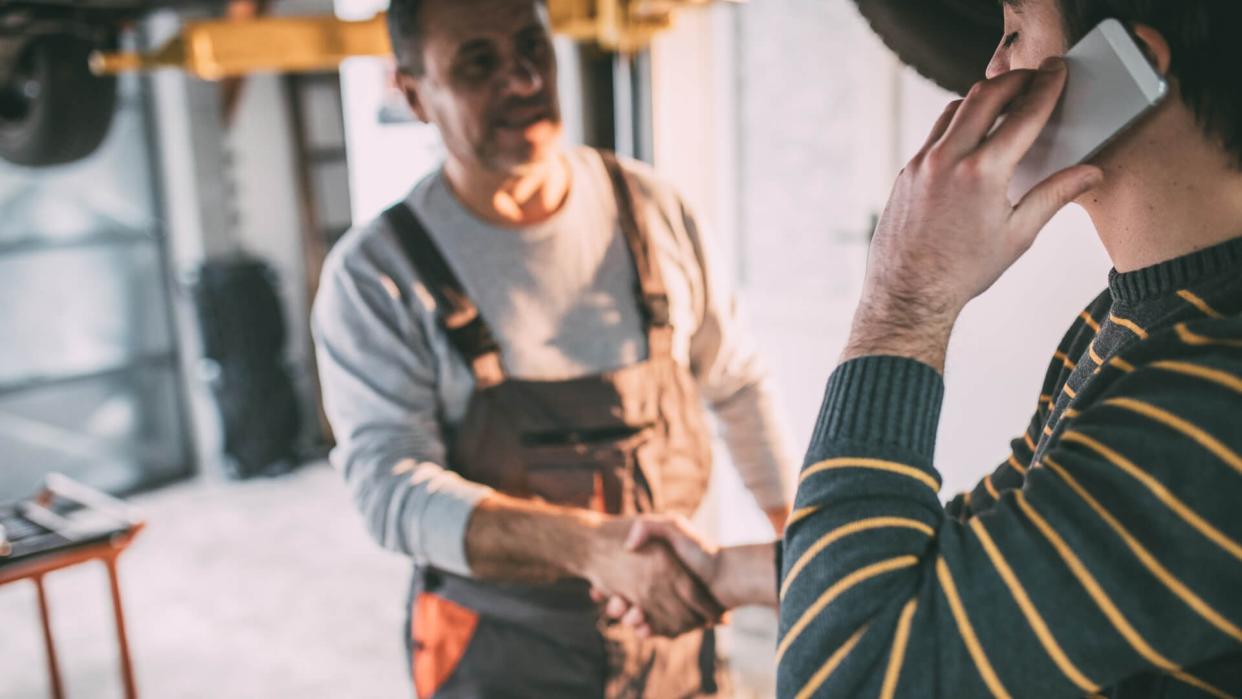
824,119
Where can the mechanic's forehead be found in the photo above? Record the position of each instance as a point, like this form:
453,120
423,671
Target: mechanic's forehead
458,21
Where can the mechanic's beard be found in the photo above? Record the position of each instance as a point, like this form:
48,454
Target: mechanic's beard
493,156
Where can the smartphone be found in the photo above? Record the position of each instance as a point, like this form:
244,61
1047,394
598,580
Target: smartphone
1110,85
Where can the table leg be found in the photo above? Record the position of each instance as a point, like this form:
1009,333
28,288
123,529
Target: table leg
53,668
127,668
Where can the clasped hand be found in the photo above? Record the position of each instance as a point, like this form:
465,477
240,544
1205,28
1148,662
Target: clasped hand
681,581
656,575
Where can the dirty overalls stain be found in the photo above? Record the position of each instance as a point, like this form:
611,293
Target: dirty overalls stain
623,442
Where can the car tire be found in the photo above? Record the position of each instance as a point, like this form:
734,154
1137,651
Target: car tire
53,109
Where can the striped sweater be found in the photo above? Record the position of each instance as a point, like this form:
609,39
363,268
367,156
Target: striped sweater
1103,557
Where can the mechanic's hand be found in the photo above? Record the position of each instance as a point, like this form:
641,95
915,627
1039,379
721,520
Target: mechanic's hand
949,230
701,557
736,576
650,578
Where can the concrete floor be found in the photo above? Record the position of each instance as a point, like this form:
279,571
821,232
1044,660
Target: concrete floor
266,588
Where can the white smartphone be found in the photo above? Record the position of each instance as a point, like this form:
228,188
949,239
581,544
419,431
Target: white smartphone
1110,85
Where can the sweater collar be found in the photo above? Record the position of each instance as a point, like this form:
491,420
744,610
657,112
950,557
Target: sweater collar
1178,273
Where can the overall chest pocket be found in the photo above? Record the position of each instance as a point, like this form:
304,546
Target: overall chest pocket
595,469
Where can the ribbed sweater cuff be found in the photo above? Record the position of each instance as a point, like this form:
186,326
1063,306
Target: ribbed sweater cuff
890,401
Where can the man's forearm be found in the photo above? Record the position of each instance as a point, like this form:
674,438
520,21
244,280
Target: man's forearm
513,540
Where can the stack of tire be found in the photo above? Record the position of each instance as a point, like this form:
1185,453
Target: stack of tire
243,332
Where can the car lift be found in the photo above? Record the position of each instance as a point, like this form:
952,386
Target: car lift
216,49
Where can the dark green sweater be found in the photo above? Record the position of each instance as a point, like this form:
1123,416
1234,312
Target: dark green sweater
1103,557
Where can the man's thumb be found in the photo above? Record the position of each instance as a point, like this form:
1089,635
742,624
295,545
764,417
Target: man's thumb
643,531
1053,194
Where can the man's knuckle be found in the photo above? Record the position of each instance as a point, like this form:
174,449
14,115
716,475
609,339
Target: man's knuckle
936,160
974,167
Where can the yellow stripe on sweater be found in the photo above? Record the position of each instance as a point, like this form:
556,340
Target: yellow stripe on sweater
1216,376
845,530
1129,325
1065,360
1200,684
1093,589
1013,461
800,514
991,488
1196,433
1030,443
1033,617
1095,357
1160,491
1122,364
1091,322
967,632
1176,586
897,656
830,666
874,464
1186,335
1190,298
836,590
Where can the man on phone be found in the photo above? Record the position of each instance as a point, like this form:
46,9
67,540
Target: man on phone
512,357
1104,555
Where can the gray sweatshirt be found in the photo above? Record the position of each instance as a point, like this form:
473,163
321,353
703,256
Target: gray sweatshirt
559,298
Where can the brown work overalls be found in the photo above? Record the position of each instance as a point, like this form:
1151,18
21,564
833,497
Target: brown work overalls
625,441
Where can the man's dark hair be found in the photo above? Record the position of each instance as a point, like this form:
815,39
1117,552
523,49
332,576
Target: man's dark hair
1207,54
406,33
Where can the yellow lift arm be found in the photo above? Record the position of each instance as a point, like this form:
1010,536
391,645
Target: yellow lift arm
223,48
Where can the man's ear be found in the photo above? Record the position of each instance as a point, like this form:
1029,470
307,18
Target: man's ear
1155,46
408,85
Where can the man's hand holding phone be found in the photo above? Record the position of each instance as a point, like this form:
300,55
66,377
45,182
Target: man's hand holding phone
949,230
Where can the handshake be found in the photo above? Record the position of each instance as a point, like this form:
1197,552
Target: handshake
657,575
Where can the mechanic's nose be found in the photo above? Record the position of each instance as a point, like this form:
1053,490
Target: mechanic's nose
524,78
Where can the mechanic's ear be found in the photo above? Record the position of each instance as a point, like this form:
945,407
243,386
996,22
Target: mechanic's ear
408,85
1155,47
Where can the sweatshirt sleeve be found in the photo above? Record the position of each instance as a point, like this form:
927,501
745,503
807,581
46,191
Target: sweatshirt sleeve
378,380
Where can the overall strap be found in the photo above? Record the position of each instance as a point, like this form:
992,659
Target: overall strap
460,318
651,292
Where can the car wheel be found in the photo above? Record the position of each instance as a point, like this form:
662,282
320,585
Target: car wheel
53,110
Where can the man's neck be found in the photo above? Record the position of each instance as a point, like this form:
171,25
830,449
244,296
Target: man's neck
519,198
1163,203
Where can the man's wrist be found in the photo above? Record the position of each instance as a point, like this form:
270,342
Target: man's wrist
744,576
510,539
595,542
891,326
